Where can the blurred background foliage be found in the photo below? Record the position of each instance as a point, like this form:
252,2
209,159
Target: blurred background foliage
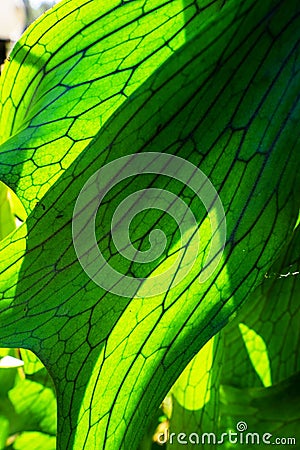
27,395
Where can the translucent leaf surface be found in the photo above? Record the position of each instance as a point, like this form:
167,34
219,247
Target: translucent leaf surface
34,441
258,353
33,364
226,101
274,313
35,406
4,431
70,72
247,362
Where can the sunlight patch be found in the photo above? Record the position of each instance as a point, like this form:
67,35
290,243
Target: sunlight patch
12,212
193,388
258,354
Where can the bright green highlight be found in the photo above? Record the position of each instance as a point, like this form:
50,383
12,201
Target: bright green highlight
217,85
192,389
258,354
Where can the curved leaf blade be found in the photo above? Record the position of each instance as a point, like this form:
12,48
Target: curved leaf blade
72,70
120,350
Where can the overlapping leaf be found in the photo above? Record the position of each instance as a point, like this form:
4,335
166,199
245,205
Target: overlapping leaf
273,315
227,101
27,398
71,70
261,352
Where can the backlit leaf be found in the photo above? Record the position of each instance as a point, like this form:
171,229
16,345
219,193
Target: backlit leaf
225,99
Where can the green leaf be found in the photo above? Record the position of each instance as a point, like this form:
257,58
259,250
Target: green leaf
4,431
25,404
196,408
72,70
35,405
273,312
268,347
34,441
6,216
32,362
273,410
12,212
258,353
192,389
210,104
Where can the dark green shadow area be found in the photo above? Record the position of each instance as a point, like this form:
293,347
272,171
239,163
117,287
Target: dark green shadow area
206,106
